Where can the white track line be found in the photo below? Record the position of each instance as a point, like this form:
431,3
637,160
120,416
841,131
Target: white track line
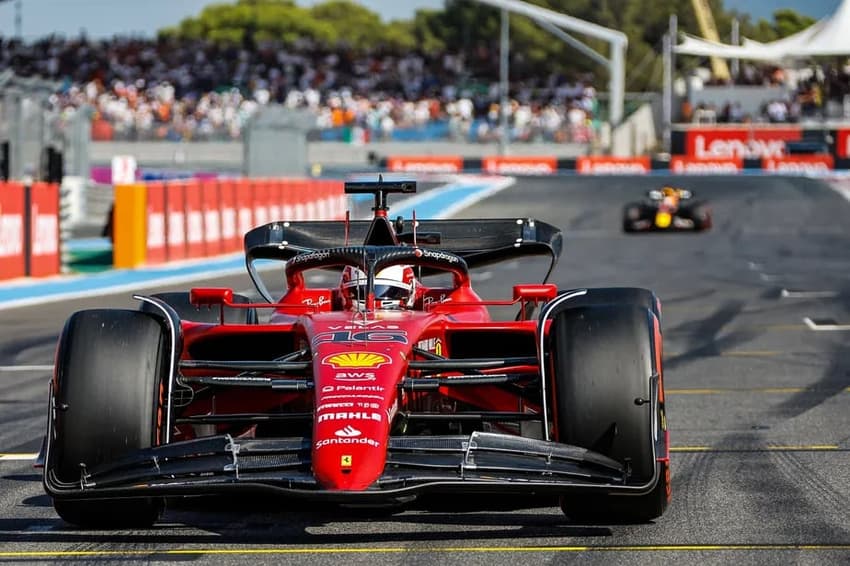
825,327
27,368
808,294
17,457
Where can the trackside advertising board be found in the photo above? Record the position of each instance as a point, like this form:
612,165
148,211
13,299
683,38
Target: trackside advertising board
842,143
603,164
44,230
520,165
695,165
817,163
425,163
12,258
739,142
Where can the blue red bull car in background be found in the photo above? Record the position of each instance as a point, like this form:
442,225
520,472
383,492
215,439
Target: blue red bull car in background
667,209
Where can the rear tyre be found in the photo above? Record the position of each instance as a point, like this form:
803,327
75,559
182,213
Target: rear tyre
631,214
110,368
179,301
701,215
603,358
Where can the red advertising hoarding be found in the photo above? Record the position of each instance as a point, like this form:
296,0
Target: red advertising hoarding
603,164
425,163
44,230
175,214
195,245
803,163
12,236
741,142
230,237
695,165
519,165
155,223
211,204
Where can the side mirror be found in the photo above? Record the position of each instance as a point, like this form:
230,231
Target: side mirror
205,296
535,292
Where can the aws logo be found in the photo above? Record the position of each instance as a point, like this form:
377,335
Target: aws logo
356,360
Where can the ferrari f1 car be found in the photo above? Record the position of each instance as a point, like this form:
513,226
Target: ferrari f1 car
373,392
667,208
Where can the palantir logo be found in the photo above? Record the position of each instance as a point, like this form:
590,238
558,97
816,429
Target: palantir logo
348,432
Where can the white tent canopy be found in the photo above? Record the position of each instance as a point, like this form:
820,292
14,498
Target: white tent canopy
829,36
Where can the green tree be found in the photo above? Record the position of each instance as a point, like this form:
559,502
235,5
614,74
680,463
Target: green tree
471,28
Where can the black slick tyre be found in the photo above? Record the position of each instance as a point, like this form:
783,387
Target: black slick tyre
603,360
111,365
596,296
179,301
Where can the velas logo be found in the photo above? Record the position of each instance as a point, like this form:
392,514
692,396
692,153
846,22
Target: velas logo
356,360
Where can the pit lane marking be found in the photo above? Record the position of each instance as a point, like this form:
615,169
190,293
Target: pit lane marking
409,551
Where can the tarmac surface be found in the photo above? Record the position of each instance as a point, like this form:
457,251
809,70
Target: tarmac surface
757,370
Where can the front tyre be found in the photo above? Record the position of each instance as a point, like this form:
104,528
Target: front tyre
606,399
111,367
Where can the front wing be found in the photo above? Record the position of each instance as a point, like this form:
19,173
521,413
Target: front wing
476,463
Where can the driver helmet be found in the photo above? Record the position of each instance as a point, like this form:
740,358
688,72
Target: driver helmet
670,192
395,287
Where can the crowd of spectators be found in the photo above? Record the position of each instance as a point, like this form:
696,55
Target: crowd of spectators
815,92
168,89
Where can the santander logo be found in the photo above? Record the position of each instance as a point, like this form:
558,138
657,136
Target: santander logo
348,432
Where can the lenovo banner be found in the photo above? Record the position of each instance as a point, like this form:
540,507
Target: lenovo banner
817,163
706,165
12,258
425,163
740,142
603,164
44,230
520,165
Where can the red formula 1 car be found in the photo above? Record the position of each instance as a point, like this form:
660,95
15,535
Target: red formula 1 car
667,209
374,391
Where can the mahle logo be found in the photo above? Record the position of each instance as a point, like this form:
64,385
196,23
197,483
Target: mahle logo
356,360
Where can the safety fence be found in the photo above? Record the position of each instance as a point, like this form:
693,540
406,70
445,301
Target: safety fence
596,165
165,221
29,230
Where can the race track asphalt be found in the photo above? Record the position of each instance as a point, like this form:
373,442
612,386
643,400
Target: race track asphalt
758,404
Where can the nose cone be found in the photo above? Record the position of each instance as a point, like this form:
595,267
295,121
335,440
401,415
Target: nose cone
350,451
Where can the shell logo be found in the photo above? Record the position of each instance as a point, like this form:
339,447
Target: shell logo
356,360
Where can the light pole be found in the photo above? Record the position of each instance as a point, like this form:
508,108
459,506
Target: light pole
19,18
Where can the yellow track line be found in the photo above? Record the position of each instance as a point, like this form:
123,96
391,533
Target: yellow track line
732,390
798,448
390,550
734,354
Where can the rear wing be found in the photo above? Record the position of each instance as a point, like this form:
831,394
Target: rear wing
479,242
